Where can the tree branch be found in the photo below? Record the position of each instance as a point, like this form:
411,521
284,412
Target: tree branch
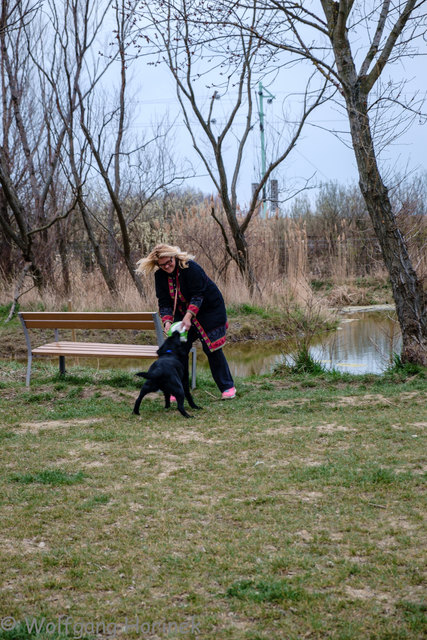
370,80
376,40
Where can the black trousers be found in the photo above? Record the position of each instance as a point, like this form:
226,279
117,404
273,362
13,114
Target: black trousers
217,362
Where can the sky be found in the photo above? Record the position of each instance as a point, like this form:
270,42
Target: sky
318,156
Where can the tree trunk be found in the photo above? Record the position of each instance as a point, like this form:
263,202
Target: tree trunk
239,253
410,299
63,254
245,266
109,280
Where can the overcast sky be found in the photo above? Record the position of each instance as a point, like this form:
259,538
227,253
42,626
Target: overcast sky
319,154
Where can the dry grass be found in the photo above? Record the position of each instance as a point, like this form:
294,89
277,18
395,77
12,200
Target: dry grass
285,257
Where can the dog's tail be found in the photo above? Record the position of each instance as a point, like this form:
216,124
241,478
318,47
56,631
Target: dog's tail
143,374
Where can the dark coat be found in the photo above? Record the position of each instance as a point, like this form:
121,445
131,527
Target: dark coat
196,293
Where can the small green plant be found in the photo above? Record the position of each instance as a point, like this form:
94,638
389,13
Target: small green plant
54,477
415,614
405,368
247,309
5,309
301,362
305,363
265,591
321,285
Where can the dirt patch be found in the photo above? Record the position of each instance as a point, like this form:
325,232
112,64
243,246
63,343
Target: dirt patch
368,399
36,427
282,428
290,403
309,496
309,462
113,394
169,467
94,465
408,395
401,524
387,542
190,436
332,428
304,535
366,593
26,545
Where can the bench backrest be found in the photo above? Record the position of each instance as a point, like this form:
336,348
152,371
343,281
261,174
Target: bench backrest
144,320
139,320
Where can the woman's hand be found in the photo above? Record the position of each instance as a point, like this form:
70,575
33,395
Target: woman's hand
186,321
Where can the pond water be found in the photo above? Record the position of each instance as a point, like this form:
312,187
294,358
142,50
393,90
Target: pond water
365,342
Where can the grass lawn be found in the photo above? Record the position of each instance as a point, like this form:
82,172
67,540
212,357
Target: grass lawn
294,511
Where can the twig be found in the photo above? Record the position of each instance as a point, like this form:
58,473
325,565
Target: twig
373,504
210,394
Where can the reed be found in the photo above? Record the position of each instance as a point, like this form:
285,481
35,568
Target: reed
286,255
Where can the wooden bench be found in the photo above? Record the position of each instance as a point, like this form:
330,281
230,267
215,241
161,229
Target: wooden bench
55,320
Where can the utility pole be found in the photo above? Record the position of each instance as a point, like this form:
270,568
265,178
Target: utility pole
270,99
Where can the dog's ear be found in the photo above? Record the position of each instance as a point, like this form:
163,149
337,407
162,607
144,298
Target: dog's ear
176,337
167,345
170,344
163,348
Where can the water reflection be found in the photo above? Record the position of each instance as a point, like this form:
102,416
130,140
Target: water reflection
365,342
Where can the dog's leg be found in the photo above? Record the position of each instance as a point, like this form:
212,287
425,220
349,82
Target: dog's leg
180,405
185,381
191,402
187,392
147,387
167,399
175,388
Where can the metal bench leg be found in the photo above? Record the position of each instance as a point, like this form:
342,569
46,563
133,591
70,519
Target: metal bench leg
193,367
27,380
30,355
62,365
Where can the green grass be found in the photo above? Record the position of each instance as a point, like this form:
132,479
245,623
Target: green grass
246,309
265,591
295,510
54,477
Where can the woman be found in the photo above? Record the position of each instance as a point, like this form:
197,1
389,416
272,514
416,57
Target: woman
185,293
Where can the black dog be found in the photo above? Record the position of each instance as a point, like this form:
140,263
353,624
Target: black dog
169,375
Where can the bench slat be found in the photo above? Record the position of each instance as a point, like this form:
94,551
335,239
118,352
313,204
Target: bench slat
88,315
65,323
100,349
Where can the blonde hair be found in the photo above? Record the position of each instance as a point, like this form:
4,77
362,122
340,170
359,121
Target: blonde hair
150,263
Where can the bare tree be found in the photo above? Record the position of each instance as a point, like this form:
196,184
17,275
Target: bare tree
203,53
124,166
66,145
351,43
28,155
